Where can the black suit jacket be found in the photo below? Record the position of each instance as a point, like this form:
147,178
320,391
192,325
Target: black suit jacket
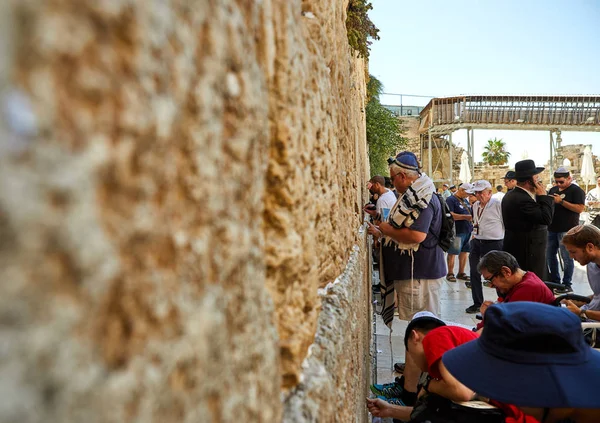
526,229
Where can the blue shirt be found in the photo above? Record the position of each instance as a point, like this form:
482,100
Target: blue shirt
593,274
429,261
458,206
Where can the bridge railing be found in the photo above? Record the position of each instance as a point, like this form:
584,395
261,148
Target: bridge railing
537,110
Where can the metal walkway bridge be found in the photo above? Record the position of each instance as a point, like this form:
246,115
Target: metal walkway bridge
555,114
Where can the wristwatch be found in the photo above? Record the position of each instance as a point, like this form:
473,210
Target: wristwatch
426,384
583,315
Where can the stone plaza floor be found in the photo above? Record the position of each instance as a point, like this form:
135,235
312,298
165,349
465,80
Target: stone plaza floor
455,298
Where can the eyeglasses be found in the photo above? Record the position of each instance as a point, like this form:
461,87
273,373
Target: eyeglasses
491,278
393,176
560,182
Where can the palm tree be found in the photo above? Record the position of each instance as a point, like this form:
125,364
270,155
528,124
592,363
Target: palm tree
495,153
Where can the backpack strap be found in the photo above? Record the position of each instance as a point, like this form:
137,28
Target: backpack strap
436,211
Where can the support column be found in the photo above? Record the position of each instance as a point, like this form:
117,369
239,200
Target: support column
551,154
429,155
469,153
472,156
450,148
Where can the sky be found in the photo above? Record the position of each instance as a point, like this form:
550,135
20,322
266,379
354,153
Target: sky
445,48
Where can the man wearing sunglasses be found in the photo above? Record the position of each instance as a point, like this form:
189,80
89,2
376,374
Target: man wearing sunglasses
569,202
501,271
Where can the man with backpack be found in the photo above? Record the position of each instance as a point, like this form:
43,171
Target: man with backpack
413,261
460,209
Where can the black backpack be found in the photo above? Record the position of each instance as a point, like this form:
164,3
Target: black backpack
448,229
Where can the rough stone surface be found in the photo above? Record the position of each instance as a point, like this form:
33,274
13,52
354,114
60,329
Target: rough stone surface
330,376
177,181
316,170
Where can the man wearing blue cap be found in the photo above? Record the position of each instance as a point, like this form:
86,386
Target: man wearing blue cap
413,262
533,356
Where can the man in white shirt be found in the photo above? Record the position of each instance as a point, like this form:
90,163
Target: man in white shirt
499,194
446,191
488,233
592,201
385,201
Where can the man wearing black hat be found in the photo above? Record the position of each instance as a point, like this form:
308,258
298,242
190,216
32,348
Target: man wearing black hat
569,202
526,212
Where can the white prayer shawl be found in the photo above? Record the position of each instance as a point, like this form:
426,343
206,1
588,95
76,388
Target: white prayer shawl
408,207
404,213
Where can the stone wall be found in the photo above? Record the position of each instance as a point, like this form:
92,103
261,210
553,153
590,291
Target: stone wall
181,234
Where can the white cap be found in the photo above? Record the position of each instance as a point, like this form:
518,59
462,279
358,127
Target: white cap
425,314
481,185
433,316
467,187
561,171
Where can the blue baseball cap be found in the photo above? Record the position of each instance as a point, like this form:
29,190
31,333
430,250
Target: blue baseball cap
406,160
530,355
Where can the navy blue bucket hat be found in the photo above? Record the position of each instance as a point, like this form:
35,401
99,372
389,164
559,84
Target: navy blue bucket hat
530,355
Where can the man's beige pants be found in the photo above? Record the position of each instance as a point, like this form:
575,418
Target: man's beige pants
418,295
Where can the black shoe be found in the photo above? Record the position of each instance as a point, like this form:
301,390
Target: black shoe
468,285
473,309
563,290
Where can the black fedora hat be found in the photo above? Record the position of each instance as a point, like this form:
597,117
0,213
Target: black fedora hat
526,168
510,175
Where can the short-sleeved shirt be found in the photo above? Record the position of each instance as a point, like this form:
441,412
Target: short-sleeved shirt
440,340
593,274
458,206
531,288
565,219
429,262
498,196
385,203
488,220
593,196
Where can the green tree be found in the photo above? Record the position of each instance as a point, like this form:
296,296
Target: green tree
384,130
495,152
359,27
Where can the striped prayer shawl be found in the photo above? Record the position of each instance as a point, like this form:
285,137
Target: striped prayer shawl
404,213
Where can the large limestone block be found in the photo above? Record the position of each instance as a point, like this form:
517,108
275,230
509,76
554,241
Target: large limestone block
317,167
132,255
178,179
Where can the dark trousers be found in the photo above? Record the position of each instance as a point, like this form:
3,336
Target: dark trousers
555,246
480,248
